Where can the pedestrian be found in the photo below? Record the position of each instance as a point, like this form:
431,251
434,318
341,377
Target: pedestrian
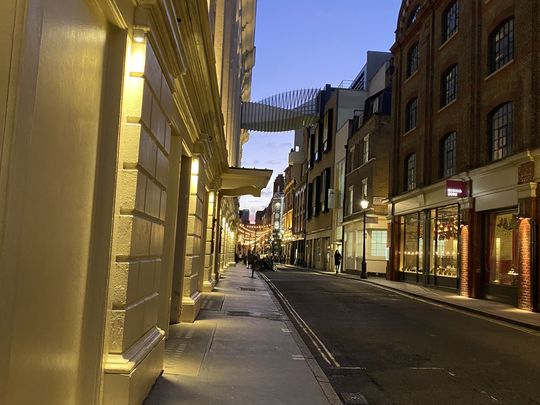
337,260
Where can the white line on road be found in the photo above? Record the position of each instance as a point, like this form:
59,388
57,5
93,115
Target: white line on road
317,343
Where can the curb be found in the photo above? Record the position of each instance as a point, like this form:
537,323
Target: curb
431,299
329,392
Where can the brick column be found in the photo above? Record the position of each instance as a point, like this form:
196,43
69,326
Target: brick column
527,269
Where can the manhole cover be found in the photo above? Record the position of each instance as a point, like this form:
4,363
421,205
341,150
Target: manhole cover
354,398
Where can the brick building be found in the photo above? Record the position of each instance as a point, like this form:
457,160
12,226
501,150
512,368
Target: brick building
466,151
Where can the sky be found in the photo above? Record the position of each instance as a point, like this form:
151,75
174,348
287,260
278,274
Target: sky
304,44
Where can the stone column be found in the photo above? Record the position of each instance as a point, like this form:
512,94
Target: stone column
134,346
209,277
191,298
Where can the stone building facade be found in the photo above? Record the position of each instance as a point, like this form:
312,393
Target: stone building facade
118,185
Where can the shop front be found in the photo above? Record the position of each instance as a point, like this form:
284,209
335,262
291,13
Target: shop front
429,246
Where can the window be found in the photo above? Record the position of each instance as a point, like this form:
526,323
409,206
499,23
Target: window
365,149
411,112
351,200
500,131
310,208
351,158
413,16
325,180
501,45
410,172
327,131
448,144
450,21
364,188
378,243
449,85
317,196
412,60
317,144
503,249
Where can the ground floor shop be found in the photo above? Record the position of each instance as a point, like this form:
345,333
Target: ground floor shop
318,253
481,245
375,233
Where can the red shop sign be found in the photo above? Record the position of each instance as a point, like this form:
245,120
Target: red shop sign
456,188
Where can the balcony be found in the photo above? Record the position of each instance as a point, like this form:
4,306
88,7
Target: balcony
296,158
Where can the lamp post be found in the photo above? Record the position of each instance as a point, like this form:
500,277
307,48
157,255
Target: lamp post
364,204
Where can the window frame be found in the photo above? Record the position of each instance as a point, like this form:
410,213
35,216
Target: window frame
449,85
365,149
448,155
410,172
413,55
411,120
450,21
500,137
501,50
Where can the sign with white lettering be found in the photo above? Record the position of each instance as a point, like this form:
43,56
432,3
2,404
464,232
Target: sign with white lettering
456,188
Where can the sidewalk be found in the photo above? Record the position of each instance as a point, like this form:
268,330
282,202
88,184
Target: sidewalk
241,350
491,309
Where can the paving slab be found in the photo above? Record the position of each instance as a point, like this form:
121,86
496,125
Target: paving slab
241,349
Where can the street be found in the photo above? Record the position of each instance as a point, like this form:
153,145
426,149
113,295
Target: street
392,349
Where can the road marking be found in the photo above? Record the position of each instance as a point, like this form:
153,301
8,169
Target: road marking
317,343
297,357
285,330
490,397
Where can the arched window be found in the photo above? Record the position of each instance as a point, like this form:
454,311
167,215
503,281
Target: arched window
448,155
450,21
412,59
501,122
410,172
449,85
501,45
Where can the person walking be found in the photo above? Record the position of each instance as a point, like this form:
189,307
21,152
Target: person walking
337,260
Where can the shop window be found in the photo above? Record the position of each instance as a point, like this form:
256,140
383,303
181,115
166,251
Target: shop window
412,60
449,85
501,45
503,249
411,111
450,21
448,152
444,242
500,131
411,243
378,243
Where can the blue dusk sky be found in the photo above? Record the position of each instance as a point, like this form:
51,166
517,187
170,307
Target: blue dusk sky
306,44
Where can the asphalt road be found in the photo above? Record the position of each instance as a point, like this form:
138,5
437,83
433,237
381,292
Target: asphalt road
392,349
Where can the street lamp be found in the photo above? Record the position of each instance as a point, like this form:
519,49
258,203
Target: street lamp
364,204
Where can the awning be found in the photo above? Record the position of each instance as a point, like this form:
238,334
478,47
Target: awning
237,181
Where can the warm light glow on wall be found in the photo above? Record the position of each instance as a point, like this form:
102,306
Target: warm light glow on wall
138,35
195,166
137,59
211,197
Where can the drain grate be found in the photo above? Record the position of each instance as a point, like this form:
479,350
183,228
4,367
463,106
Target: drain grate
238,313
247,289
272,316
354,398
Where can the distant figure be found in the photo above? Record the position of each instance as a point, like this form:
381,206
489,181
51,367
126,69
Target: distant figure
337,260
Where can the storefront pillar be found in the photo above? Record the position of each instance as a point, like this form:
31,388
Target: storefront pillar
470,241
528,271
393,259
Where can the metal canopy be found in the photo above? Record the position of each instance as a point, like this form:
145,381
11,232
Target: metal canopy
282,112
